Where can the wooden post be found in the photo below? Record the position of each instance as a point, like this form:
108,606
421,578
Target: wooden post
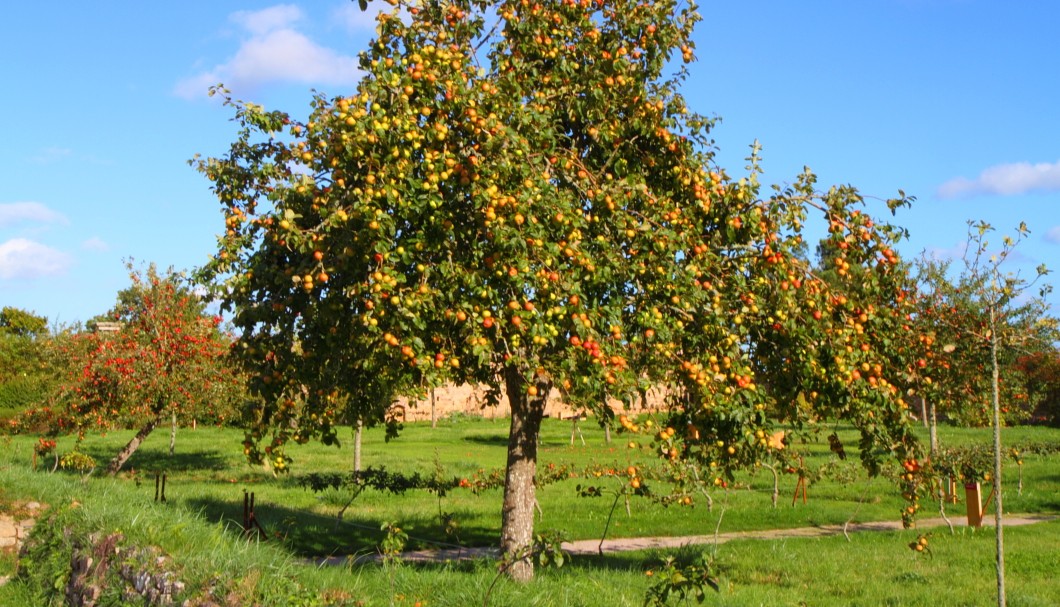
973,497
250,519
575,429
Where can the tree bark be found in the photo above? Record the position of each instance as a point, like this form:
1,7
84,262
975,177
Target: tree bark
933,428
999,534
358,431
126,452
517,514
173,436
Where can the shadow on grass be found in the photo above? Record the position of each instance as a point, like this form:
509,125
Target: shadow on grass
309,534
152,460
312,535
620,562
502,440
487,439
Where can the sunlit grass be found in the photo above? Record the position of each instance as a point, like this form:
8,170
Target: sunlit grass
199,524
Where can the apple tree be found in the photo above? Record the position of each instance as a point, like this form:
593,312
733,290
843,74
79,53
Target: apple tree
951,320
517,195
167,358
769,347
1041,370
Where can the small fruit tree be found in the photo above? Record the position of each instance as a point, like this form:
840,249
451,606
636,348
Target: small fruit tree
1009,324
516,194
954,368
166,359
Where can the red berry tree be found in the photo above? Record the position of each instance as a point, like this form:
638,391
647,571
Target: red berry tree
165,358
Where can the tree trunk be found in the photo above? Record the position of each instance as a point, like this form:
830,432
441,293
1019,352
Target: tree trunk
517,514
126,452
996,397
358,431
933,428
173,436
434,418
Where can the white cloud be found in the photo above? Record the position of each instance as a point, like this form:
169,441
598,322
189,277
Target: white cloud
353,19
350,17
51,154
16,212
274,52
95,244
22,258
1006,180
269,19
954,253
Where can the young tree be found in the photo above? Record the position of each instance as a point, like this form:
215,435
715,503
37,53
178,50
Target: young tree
954,366
166,359
1010,324
517,195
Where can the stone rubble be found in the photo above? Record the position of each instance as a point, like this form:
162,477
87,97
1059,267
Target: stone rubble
14,529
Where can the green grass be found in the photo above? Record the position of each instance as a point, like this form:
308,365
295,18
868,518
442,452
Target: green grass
871,569
208,474
199,524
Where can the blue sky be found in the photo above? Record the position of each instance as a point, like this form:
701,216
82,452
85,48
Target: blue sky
956,102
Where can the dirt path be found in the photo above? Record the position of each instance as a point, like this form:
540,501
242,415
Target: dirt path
645,543
585,547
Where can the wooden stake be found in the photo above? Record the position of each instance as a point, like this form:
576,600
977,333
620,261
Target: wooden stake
973,497
801,485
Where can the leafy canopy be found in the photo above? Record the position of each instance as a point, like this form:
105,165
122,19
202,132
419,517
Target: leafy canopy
519,189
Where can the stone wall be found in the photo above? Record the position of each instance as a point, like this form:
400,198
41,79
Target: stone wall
15,527
471,400
143,573
98,563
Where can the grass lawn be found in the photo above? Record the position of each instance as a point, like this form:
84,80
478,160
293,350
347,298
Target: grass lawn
207,477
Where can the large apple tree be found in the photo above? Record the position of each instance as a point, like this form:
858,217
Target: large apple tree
517,195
